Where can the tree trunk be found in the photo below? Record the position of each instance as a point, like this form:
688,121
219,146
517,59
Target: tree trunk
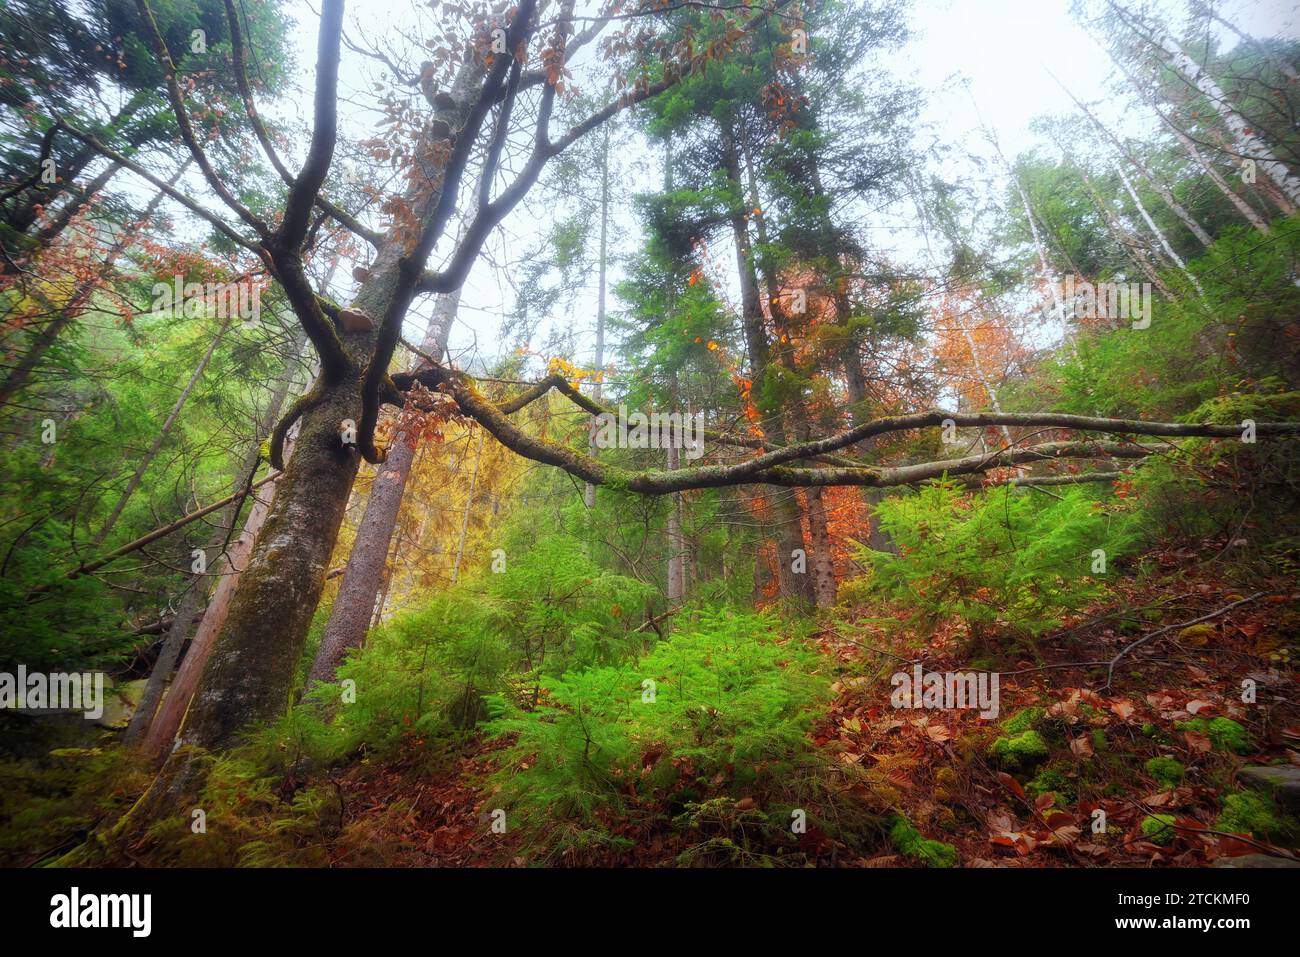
589,493
1249,145
1191,149
676,548
795,584
824,584
355,603
74,205
1138,252
1240,204
1176,207
163,668
255,658
469,504
160,724
1263,185
1160,236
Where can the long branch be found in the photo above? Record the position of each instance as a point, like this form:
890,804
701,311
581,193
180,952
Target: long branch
162,531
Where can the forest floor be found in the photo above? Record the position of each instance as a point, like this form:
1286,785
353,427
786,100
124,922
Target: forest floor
1076,753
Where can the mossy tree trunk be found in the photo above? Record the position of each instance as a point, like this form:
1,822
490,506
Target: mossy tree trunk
251,672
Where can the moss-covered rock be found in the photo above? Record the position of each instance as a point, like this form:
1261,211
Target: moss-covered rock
1024,750
908,841
1166,770
1159,828
1258,815
1282,782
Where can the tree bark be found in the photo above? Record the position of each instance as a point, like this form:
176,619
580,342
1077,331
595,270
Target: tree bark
1160,236
1263,185
824,583
164,667
469,504
254,659
1191,149
355,603
1176,207
787,521
1137,250
158,726
1249,145
589,493
74,205
676,549
823,586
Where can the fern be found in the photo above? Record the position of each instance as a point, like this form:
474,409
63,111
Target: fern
1004,558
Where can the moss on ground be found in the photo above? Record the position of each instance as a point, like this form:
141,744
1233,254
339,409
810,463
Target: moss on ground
908,841
1167,771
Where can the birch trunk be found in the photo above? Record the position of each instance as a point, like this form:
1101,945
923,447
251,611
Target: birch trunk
1161,189
1198,158
1249,145
1160,236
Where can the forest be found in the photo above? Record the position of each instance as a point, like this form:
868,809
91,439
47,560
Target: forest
649,434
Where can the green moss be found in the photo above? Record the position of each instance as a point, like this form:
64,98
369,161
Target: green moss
1099,740
1024,750
1022,721
617,479
1166,770
1149,729
945,784
907,840
1159,828
1224,733
1052,779
1257,815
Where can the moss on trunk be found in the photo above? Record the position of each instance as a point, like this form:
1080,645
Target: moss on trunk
253,665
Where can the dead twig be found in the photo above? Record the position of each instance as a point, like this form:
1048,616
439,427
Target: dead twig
1110,667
